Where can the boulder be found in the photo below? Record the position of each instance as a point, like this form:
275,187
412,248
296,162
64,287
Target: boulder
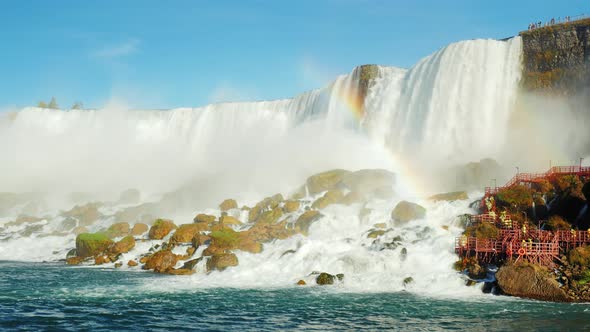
367,181
192,264
161,261
118,265
118,229
408,281
328,279
265,205
330,197
79,230
92,244
130,196
375,233
301,283
180,272
185,233
74,260
530,281
85,214
204,218
228,204
124,245
305,220
405,211
68,224
227,239
450,197
325,181
200,239
229,220
132,263
291,206
101,259
263,232
222,261
352,197
139,229
161,228
271,216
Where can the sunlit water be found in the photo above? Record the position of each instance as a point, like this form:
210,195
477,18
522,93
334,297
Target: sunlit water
45,296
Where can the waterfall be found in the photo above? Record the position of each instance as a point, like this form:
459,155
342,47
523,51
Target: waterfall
453,105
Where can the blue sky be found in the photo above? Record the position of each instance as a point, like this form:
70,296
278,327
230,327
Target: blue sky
164,54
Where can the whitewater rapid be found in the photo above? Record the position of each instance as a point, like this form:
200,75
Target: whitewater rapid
452,106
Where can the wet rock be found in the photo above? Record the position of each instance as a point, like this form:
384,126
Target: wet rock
404,254
123,246
406,211
185,233
329,198
325,181
476,271
291,206
450,196
68,224
76,260
287,252
301,283
228,204
375,233
101,259
118,265
132,263
32,229
408,280
367,181
380,225
180,272
222,261
92,244
161,228
161,261
267,204
530,281
139,229
306,220
200,239
130,196
352,198
85,214
229,220
118,229
192,264
142,213
270,216
327,279
71,253
79,230
205,218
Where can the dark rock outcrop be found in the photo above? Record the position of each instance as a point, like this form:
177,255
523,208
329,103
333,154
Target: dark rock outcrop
530,281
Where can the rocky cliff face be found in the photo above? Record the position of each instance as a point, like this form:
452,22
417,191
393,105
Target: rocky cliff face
556,59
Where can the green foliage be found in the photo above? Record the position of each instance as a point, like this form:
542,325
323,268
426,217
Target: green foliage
519,197
569,184
584,278
482,230
556,223
53,104
579,256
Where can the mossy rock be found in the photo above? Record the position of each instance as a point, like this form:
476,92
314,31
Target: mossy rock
482,230
205,218
519,197
124,245
305,220
185,233
450,197
267,204
329,198
406,211
375,233
228,204
222,262
92,244
161,228
200,239
328,279
291,206
271,216
226,238
325,181
229,220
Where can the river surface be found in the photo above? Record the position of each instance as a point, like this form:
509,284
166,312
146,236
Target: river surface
52,296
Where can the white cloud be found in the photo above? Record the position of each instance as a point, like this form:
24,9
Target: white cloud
119,50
